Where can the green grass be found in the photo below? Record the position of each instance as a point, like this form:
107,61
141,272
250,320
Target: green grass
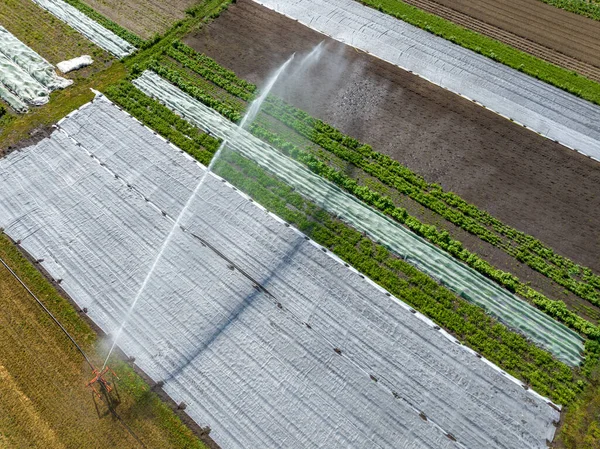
563,79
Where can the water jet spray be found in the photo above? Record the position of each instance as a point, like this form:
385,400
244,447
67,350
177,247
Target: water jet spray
250,115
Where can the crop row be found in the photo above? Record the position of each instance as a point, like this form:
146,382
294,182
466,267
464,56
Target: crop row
523,247
467,322
208,74
588,8
213,66
159,118
178,79
554,308
229,101
557,76
107,23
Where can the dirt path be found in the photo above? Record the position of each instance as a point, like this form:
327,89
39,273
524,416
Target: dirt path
468,16
527,181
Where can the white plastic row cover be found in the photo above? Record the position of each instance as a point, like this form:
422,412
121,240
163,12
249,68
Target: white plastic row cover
25,77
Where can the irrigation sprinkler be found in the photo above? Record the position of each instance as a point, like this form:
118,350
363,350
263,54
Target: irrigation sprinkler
100,385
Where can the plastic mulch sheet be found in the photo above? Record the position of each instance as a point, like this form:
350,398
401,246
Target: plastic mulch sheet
25,77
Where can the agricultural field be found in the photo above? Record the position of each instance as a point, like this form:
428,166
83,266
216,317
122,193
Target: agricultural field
39,366
271,298
49,37
565,32
144,18
551,34
394,244
465,150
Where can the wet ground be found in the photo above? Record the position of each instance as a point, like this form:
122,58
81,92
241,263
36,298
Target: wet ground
527,181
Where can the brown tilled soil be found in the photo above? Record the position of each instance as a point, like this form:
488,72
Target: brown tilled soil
527,181
571,34
473,16
143,17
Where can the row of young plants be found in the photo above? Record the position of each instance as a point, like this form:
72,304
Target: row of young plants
467,322
130,37
587,8
177,78
208,74
554,308
505,54
229,101
523,247
213,66
162,120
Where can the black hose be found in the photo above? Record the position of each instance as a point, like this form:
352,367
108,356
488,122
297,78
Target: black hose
49,313
41,304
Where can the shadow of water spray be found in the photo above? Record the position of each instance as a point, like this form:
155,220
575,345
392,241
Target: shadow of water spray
250,115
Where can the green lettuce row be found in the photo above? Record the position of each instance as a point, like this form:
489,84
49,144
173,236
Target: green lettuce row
556,309
175,77
523,247
214,66
163,121
208,74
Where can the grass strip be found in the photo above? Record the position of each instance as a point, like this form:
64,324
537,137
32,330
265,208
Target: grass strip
556,76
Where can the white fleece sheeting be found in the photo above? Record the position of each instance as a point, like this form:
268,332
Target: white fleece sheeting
25,77
517,314
102,37
545,109
244,314
75,63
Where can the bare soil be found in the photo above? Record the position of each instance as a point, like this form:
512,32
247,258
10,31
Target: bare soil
143,17
468,16
525,180
564,31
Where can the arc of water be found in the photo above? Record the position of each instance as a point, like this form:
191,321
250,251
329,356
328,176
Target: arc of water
250,115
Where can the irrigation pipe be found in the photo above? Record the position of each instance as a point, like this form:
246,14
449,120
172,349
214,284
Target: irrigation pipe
41,304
